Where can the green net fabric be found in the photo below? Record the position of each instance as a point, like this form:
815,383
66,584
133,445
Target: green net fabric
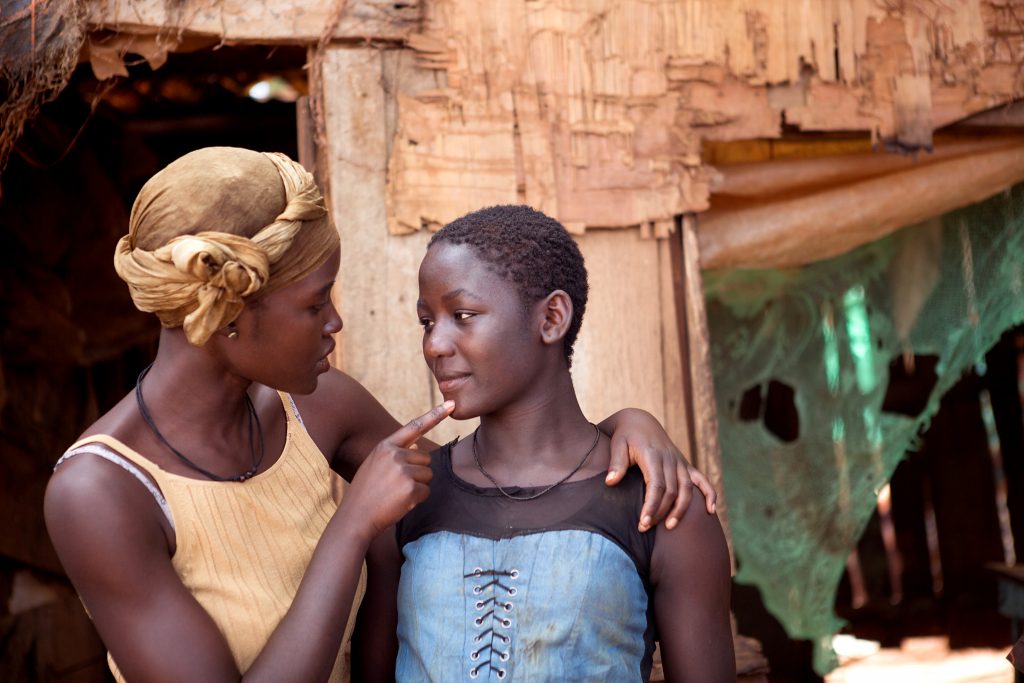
799,502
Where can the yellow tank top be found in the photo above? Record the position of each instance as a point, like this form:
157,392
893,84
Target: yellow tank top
243,547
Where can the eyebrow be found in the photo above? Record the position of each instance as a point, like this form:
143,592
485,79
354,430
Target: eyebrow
455,293
326,288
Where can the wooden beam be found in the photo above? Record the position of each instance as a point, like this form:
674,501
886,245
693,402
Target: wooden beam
772,178
259,21
804,229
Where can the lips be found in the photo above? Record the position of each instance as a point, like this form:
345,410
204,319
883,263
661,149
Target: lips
448,383
324,363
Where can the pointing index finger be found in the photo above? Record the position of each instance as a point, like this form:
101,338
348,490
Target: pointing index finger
411,432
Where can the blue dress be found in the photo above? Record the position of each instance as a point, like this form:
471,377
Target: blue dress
550,589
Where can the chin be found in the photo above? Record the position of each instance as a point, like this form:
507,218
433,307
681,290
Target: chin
307,387
463,414
464,411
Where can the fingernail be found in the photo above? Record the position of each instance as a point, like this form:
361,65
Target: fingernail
611,475
646,521
714,507
671,523
448,405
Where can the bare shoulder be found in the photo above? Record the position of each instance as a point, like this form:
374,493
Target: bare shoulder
696,545
107,531
90,501
690,572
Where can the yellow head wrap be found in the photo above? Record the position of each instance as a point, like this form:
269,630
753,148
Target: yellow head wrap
216,227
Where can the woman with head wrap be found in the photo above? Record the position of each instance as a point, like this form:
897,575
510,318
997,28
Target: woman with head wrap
196,517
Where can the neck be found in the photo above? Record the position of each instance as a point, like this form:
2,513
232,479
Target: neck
191,385
551,427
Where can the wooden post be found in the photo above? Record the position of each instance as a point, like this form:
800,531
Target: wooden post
695,349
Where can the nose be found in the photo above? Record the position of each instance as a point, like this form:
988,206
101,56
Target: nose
437,343
334,323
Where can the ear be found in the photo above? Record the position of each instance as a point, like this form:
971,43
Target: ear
556,309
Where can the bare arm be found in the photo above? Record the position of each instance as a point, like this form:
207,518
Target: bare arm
690,576
107,533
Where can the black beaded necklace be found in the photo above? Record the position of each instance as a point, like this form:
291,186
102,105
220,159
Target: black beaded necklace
255,434
579,465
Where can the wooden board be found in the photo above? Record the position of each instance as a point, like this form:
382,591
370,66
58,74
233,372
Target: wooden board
596,112
376,287
618,359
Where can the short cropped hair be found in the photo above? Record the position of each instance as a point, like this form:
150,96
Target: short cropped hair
531,250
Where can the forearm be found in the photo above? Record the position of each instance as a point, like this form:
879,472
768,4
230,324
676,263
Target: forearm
375,640
610,424
305,645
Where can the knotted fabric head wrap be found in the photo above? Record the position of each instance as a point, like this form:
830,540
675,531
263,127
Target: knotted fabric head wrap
216,227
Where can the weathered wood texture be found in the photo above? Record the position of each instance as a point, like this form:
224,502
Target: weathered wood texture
595,112
258,21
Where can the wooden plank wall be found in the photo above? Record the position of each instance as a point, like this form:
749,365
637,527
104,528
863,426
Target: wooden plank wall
627,354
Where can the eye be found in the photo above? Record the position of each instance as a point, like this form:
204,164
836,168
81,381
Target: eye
463,315
426,324
316,308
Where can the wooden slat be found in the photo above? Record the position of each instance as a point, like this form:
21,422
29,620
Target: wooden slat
702,384
677,395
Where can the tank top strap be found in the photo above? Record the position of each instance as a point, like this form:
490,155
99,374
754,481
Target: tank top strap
99,449
117,446
289,406
299,438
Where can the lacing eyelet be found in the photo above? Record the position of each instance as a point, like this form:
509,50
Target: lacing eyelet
478,571
508,606
474,672
504,656
479,604
501,673
478,621
506,622
477,590
505,639
475,656
512,591
514,573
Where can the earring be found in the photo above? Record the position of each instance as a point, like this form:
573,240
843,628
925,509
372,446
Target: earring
233,334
